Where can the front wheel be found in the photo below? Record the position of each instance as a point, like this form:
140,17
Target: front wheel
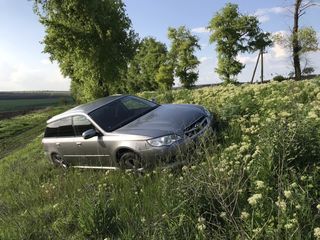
58,161
130,160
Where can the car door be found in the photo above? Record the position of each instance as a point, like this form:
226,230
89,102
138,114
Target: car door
65,141
96,152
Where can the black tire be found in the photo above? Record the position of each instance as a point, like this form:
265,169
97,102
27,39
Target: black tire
130,160
58,161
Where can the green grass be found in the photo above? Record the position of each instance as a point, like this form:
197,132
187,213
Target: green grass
257,178
26,104
17,132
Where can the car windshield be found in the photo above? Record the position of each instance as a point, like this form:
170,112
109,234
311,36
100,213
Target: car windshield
121,112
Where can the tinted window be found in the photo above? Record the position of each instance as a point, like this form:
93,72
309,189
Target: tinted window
65,127
61,128
52,130
120,112
81,124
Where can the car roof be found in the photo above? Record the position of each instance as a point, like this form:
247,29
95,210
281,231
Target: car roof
87,107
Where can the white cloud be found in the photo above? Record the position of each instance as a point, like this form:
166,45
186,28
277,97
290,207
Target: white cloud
203,59
45,61
23,77
263,13
247,59
279,52
207,74
200,30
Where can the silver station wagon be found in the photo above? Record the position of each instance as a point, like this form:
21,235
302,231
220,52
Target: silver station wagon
123,131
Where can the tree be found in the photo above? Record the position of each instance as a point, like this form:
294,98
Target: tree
300,7
92,41
234,33
185,63
307,42
145,65
165,76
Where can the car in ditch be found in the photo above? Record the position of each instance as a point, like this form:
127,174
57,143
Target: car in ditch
123,131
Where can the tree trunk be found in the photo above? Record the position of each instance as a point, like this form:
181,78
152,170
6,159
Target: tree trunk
295,41
261,53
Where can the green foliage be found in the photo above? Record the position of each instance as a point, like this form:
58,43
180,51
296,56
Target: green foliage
307,71
256,178
144,67
279,78
307,41
234,33
165,76
183,46
92,42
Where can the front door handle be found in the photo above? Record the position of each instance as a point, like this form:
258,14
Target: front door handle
79,143
58,144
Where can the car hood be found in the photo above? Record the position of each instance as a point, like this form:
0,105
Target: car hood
165,119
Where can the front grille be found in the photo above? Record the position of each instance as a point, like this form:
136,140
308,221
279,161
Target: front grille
196,127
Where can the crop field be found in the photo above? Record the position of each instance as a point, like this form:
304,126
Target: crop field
15,103
257,177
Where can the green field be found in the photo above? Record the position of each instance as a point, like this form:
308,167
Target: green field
26,104
256,178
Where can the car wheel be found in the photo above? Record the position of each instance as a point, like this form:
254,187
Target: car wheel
130,160
58,161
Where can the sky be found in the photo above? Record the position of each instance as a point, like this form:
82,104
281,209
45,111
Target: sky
24,67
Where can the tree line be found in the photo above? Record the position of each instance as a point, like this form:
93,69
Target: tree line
97,48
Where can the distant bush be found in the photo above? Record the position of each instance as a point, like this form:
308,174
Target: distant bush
307,71
279,78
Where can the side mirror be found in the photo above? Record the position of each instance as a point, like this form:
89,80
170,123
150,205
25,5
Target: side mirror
153,100
89,133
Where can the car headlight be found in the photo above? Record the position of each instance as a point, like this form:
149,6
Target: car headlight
207,112
164,141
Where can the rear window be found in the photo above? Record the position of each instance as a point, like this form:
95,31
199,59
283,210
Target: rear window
60,128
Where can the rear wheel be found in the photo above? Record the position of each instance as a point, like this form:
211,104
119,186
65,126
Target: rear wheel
130,160
58,161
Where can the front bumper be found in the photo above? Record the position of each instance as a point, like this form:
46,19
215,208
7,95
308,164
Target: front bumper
167,155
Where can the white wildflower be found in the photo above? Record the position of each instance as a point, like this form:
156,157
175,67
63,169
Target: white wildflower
244,215
316,233
287,194
253,200
259,184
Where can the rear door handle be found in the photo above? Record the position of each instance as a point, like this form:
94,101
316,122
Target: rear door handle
58,144
79,143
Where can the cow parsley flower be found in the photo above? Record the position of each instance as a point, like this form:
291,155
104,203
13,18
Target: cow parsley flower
287,194
316,233
253,200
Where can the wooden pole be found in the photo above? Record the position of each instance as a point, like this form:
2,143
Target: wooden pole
255,68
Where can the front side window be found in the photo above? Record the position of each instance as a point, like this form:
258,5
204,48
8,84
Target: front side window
81,124
65,127
120,112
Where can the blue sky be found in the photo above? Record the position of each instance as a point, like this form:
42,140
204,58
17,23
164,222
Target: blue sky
23,66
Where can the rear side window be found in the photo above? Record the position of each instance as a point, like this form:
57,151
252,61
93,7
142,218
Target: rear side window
81,124
52,130
61,128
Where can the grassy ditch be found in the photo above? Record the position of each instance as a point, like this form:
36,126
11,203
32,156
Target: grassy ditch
258,178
